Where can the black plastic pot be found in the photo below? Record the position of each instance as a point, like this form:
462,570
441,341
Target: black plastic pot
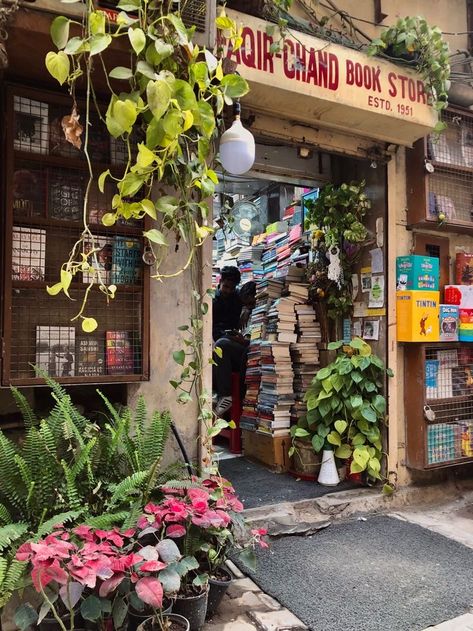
136,618
193,608
217,590
51,624
179,623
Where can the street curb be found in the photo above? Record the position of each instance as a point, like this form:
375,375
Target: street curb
309,515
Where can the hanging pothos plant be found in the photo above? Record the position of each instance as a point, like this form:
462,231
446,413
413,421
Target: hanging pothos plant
338,232
173,93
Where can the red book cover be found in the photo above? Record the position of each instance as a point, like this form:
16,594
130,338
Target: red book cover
119,352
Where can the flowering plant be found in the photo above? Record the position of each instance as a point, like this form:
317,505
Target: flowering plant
205,521
98,573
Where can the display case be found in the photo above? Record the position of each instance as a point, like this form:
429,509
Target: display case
439,404
440,177
46,179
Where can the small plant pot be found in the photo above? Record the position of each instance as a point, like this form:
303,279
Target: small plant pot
217,589
328,475
193,608
136,618
49,623
177,623
305,460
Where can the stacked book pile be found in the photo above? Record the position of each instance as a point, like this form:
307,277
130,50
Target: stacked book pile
249,262
249,414
276,396
305,355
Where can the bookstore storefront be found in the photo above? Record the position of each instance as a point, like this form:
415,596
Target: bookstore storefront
322,114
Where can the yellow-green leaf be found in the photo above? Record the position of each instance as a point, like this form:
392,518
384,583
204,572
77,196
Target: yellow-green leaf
334,438
156,236
145,156
101,180
54,290
58,65
112,289
109,219
340,426
97,22
89,325
149,208
137,39
98,43
66,279
188,120
343,452
60,31
159,96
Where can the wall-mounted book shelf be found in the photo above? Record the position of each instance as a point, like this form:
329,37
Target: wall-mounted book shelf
45,183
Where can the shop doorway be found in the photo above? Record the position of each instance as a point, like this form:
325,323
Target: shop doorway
260,230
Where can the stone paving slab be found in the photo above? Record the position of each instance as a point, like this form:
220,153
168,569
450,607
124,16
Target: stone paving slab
461,623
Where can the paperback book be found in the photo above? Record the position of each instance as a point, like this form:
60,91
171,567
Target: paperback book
119,356
90,356
126,261
28,253
101,258
55,350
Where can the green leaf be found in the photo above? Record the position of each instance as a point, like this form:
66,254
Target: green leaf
170,580
158,94
234,86
119,611
358,439
74,45
356,376
334,438
54,290
173,123
343,452
66,279
334,346
200,580
204,118
379,404
340,426
357,343
163,50
146,69
389,372
156,236
98,43
109,219
179,357
323,373
149,208
184,94
97,22
58,66
248,558
91,608
137,39
60,31
361,456
179,27
317,442
327,384
120,72
218,351
368,414
356,401
323,430
301,433
89,325
131,184
167,204
388,489
25,616
145,156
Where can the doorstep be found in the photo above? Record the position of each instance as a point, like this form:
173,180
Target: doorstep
310,515
246,608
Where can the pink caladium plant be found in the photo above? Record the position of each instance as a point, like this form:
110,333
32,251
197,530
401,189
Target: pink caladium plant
205,522
99,572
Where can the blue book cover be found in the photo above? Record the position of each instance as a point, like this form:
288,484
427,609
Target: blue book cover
431,373
126,261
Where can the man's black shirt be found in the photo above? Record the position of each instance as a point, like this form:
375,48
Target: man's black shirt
226,314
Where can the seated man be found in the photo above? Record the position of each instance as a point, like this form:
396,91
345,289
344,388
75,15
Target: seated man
226,311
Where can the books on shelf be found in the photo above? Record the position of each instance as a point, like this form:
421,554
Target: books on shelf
119,352
55,350
28,253
66,196
126,261
90,356
28,193
100,257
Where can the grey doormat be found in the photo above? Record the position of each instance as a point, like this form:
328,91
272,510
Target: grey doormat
382,574
258,486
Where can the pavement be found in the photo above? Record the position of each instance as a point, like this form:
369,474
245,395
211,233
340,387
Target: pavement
258,486
409,569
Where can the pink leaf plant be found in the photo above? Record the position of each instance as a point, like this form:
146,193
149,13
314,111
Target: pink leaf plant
203,520
90,566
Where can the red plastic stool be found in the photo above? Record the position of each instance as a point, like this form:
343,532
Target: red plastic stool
234,435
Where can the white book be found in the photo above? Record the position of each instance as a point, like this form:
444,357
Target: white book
55,350
28,253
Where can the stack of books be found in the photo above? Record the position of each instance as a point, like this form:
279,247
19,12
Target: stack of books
249,414
249,262
305,355
276,396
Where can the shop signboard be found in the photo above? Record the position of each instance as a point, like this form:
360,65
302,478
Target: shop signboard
315,81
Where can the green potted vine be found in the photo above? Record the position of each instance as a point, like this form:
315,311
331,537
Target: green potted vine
346,409
412,40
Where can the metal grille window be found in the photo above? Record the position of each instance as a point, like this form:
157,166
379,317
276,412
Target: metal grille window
449,398
46,179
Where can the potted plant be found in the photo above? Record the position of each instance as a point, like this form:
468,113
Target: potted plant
94,576
338,232
346,408
412,40
305,461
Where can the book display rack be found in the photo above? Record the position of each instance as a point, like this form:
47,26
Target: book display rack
46,180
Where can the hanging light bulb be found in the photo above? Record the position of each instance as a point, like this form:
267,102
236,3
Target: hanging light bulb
237,147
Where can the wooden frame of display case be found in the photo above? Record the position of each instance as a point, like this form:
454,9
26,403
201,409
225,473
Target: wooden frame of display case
452,409
131,304
451,158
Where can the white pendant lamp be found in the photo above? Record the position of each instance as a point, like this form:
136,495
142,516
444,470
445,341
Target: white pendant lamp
237,147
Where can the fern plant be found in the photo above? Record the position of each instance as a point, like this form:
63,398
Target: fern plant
70,469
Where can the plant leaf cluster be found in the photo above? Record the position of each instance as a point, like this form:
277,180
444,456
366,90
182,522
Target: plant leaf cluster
413,40
346,408
70,469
